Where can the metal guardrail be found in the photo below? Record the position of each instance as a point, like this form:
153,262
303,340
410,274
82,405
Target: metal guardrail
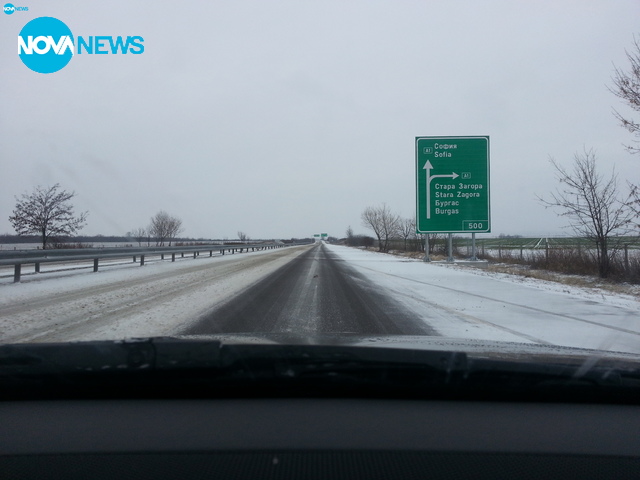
20,258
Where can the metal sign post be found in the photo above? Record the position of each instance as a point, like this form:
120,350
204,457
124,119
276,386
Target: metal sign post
426,249
474,257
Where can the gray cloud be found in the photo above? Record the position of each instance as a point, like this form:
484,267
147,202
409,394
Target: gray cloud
287,118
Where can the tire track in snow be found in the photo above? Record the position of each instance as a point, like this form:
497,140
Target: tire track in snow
504,302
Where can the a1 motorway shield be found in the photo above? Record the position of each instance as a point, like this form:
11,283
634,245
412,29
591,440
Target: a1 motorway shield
452,184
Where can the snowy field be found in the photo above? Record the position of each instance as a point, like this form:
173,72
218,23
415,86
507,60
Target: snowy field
35,245
463,302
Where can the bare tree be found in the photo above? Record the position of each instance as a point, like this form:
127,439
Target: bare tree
406,228
164,227
592,205
383,222
417,240
158,227
140,234
349,236
627,88
243,236
175,227
46,212
634,201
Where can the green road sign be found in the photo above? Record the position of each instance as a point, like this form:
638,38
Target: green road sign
324,235
452,184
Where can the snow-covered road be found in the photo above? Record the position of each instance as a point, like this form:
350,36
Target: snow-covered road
128,301
167,298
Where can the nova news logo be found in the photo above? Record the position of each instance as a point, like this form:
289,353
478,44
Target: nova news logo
9,9
46,45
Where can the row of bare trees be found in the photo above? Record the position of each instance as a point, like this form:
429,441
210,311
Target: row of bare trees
162,228
392,231
49,213
387,226
594,205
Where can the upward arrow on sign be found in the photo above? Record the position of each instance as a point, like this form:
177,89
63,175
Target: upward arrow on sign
428,167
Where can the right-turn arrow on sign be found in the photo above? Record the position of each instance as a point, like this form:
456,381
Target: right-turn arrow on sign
452,184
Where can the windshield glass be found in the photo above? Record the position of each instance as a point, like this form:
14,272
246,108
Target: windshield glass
440,175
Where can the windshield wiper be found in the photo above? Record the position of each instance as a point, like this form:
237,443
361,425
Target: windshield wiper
172,368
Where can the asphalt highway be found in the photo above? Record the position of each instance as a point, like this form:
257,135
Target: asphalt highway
315,293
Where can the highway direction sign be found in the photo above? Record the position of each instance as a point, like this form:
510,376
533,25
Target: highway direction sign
452,184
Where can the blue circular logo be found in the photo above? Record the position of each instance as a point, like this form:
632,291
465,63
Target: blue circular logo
9,8
45,45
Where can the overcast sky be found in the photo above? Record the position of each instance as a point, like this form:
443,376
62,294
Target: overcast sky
287,118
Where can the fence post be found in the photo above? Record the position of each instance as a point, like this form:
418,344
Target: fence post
173,257
16,273
141,260
626,259
37,267
546,250
95,264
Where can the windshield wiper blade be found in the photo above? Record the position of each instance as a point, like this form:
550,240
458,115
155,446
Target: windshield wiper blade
176,367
